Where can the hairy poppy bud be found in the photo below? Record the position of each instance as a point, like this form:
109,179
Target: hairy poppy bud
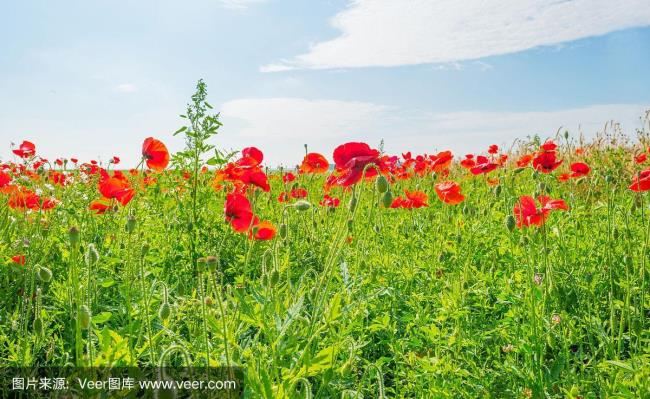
283,231
275,277
381,184
302,205
73,235
91,255
353,203
44,274
145,249
38,326
130,224
165,311
387,199
510,222
212,263
84,316
566,134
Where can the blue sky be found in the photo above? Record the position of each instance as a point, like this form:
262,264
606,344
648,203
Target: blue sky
93,79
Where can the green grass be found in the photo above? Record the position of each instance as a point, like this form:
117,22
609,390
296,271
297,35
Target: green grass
439,301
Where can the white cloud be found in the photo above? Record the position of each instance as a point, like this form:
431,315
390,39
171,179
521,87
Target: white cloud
239,4
125,88
280,126
391,33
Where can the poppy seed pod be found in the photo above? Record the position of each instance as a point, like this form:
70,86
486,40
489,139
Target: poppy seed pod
84,316
510,222
130,224
212,263
381,184
73,235
283,231
387,199
302,205
44,274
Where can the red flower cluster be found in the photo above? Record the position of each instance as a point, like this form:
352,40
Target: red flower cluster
527,214
546,159
414,199
239,213
245,172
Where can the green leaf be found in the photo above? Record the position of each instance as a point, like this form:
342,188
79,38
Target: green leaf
103,317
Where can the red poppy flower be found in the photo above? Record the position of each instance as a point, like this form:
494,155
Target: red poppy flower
26,149
5,179
238,212
563,177
524,160
579,169
298,193
116,160
253,153
546,162
22,198
493,149
351,159
580,151
483,165
155,153
283,197
332,202
263,231
414,199
100,206
549,146
527,214
641,181
449,192
18,259
288,177
116,187
441,161
314,163
74,160
641,158
468,162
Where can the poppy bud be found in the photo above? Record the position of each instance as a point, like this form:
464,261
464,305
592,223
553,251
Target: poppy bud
73,235
84,316
283,231
202,264
130,224
44,274
566,134
353,203
387,199
91,255
350,225
510,222
381,184
275,277
38,326
145,249
302,205
212,263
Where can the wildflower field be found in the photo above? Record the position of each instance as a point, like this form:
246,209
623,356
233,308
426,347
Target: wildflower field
516,272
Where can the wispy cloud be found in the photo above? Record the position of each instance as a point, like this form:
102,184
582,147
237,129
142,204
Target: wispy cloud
125,88
239,4
391,33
